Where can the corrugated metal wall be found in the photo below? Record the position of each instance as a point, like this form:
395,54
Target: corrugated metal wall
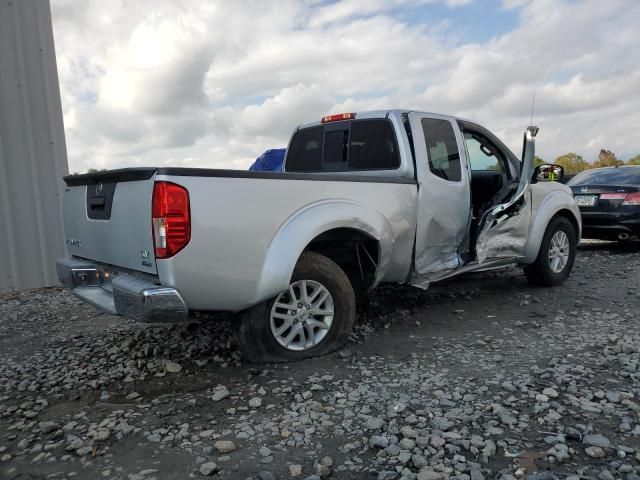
33,156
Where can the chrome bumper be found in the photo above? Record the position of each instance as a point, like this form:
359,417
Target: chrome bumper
121,293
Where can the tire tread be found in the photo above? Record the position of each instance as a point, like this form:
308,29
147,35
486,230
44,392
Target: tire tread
253,334
539,272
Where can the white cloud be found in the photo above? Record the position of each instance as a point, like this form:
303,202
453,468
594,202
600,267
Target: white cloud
215,83
348,9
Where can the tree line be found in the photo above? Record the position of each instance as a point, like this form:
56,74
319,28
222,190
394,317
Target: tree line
574,163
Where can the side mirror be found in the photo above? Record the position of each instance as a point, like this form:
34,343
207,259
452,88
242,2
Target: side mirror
547,173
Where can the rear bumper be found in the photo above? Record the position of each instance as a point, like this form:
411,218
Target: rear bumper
606,225
136,296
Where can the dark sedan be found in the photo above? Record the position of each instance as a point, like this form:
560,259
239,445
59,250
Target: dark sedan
609,201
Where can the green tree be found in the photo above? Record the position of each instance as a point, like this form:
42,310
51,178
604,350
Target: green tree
92,170
572,163
634,161
538,161
607,158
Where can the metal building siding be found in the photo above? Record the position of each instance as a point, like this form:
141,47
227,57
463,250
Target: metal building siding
33,156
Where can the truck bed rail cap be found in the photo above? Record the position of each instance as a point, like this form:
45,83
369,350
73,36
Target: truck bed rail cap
111,176
354,176
145,173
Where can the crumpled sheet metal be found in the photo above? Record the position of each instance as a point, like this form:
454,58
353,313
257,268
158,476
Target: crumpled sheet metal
437,259
507,235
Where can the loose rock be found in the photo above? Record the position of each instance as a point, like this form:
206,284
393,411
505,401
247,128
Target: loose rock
208,468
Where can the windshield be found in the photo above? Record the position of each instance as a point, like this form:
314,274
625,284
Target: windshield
608,176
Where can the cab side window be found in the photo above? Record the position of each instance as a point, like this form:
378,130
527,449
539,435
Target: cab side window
442,149
483,156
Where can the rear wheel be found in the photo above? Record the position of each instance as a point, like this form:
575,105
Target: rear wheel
314,316
556,256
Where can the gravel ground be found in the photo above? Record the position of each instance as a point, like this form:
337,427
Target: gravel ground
482,377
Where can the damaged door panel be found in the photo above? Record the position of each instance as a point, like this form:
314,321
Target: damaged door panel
504,229
506,232
443,201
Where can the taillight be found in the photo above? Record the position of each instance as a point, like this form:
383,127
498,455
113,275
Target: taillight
338,117
171,219
632,199
613,196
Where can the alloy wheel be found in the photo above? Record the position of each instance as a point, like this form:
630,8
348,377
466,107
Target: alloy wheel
559,251
302,315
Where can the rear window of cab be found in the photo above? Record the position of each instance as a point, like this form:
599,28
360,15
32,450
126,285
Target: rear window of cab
356,145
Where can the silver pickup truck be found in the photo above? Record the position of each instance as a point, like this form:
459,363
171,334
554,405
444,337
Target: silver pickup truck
385,196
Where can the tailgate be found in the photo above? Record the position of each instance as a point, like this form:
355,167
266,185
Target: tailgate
107,218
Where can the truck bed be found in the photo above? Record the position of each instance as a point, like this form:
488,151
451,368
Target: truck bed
244,226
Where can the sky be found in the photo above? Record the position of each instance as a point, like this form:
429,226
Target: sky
215,83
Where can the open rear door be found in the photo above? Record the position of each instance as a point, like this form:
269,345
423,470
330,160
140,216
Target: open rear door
504,228
444,195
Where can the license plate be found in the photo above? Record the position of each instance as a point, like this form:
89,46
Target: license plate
586,200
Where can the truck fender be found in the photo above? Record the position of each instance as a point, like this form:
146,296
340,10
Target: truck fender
303,226
553,203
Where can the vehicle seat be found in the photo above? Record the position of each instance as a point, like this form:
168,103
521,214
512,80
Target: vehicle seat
485,184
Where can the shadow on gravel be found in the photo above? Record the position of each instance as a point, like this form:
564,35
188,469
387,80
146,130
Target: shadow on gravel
465,377
615,248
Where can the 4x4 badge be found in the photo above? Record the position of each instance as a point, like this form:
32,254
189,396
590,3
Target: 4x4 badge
98,189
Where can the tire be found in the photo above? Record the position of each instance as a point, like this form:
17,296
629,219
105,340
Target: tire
256,330
542,272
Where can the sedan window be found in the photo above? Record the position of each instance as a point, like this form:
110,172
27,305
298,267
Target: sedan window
608,176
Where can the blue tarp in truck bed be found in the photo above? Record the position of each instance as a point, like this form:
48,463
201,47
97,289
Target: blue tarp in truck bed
270,161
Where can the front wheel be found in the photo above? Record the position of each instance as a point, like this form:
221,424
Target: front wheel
313,317
556,256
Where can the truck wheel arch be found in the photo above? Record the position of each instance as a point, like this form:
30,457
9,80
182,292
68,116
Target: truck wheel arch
355,252
550,208
303,230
